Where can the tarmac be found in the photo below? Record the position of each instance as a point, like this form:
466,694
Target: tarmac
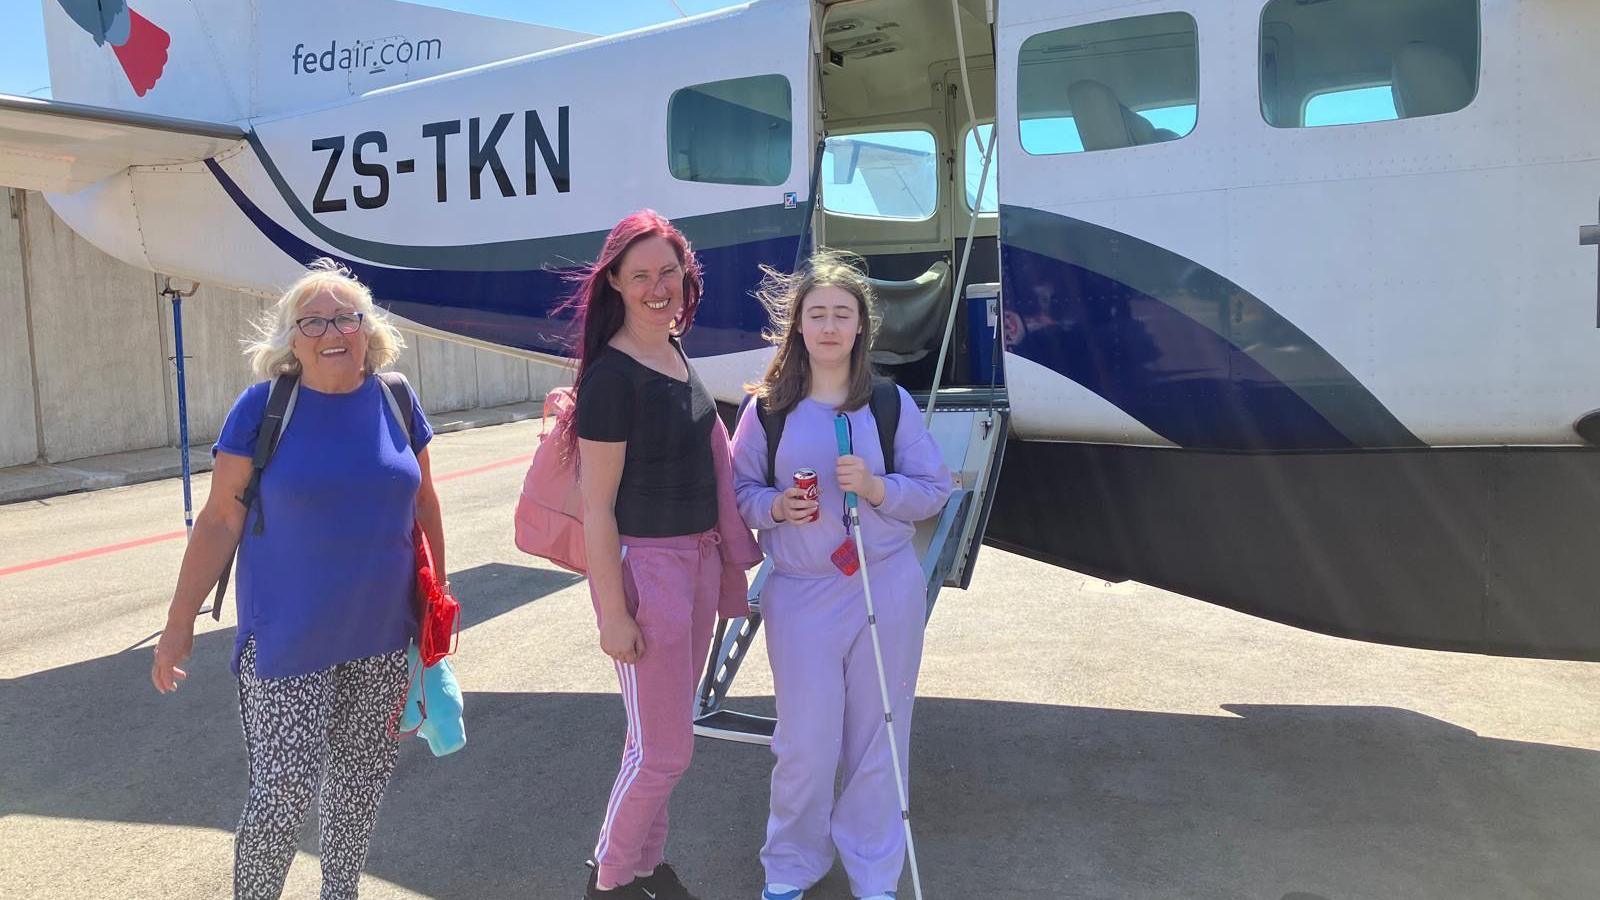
1072,738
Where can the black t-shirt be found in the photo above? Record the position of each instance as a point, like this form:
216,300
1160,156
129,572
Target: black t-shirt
669,486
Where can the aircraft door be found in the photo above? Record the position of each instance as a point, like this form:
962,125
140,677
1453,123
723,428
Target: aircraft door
1087,99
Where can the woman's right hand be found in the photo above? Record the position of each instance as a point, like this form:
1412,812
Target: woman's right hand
621,639
792,506
176,643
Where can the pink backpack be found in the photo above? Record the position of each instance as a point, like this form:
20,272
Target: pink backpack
550,510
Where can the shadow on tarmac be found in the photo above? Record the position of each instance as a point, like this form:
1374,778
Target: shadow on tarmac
1010,799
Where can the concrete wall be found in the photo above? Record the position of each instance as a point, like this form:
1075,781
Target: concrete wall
19,433
86,351
96,344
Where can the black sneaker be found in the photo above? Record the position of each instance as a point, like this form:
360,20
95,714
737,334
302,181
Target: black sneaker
663,884
633,890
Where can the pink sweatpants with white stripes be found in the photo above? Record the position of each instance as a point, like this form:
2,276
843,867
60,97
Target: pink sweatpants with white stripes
671,586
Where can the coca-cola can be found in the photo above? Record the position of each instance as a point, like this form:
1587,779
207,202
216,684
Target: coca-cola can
806,480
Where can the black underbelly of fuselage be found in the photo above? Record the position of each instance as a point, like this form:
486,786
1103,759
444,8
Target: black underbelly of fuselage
1473,550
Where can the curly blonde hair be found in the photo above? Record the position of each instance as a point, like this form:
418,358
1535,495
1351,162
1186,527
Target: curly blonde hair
271,350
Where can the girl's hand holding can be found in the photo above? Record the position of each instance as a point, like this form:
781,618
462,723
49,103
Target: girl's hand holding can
793,507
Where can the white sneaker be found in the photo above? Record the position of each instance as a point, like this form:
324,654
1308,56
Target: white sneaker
782,892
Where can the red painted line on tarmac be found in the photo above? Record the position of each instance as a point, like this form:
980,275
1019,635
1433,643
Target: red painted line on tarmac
85,554
175,535
524,459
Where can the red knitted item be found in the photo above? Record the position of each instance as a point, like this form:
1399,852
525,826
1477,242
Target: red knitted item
438,613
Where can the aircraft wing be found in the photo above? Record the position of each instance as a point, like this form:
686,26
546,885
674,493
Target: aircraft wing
50,145
897,178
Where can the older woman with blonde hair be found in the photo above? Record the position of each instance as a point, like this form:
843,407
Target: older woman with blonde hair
325,582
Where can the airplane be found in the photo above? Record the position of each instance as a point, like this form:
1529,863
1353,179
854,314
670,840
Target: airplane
1284,305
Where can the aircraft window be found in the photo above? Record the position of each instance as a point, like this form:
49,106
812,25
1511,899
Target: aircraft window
731,132
1350,107
881,175
1367,60
1109,85
973,157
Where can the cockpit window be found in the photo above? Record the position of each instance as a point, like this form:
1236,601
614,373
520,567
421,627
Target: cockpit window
737,131
1355,61
1109,85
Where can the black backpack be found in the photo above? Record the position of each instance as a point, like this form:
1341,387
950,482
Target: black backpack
280,406
885,406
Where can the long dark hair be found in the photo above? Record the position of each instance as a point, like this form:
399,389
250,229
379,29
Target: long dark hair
788,377
599,312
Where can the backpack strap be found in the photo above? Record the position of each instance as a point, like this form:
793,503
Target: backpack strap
281,397
280,406
744,401
885,405
395,386
772,423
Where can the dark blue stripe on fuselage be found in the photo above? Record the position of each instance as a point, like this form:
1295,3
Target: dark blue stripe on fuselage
1177,377
1165,369
513,308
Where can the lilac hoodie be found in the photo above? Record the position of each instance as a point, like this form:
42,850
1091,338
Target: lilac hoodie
917,490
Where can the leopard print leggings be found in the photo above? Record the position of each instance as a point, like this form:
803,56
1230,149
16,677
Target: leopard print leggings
329,729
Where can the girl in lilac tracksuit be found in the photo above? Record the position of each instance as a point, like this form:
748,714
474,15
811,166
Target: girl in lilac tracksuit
830,710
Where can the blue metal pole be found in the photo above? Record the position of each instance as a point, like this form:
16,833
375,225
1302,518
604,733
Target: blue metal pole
183,411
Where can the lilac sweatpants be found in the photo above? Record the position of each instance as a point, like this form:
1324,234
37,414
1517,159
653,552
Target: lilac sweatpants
671,586
830,717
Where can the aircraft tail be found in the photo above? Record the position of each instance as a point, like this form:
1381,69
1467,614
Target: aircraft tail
228,61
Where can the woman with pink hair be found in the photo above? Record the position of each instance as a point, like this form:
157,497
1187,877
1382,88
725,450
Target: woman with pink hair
650,515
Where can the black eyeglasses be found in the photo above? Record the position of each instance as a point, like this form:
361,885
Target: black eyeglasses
317,326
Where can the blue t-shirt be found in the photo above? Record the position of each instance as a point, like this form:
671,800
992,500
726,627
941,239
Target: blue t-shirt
331,577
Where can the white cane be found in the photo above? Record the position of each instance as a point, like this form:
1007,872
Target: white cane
841,430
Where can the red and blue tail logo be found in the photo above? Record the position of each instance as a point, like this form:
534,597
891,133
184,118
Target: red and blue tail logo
141,45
